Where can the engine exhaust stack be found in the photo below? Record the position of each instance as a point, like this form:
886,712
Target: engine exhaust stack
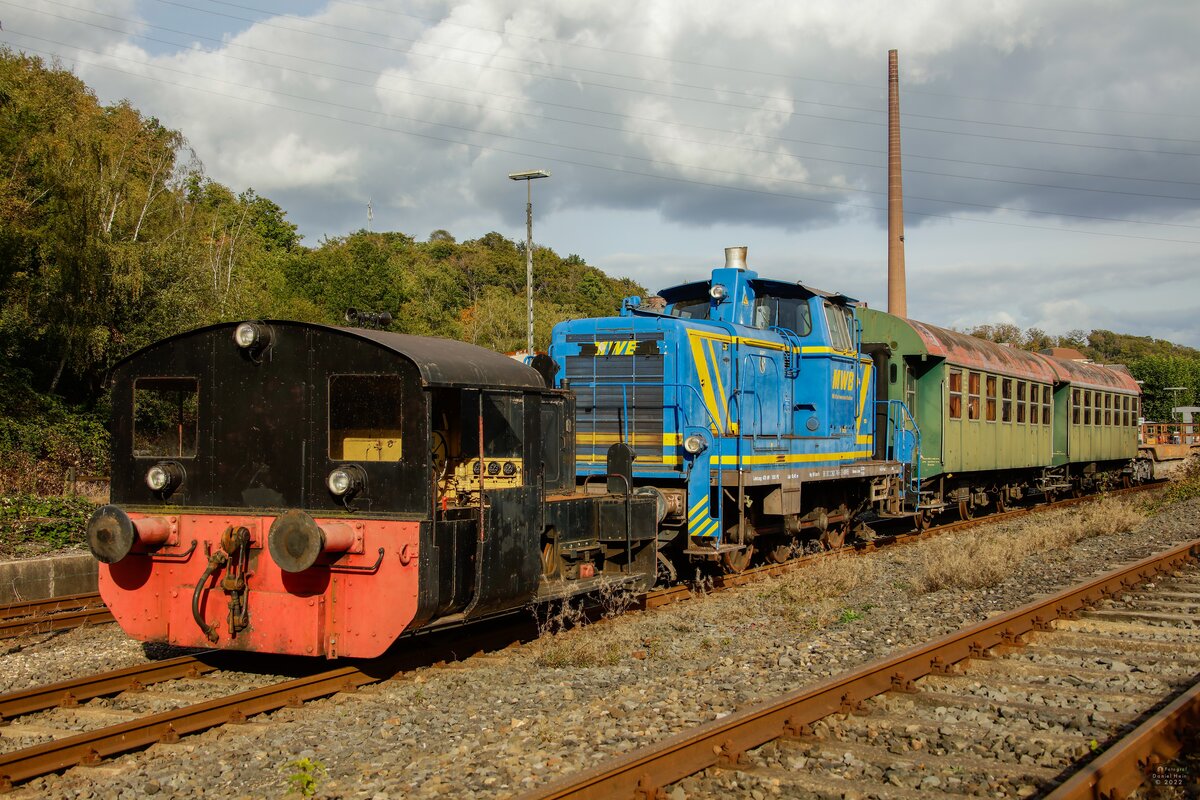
897,294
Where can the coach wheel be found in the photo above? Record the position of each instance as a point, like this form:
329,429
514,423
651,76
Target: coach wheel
1076,491
735,561
1001,503
1126,481
1050,496
965,511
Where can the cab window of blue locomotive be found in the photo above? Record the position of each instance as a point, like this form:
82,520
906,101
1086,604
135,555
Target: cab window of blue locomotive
165,417
839,321
696,308
791,313
365,417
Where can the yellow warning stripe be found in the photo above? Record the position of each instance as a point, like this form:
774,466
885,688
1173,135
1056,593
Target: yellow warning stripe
794,458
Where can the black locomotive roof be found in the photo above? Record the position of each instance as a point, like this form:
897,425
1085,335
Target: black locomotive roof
440,362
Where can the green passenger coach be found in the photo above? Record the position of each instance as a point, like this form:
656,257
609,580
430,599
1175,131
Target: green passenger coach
997,423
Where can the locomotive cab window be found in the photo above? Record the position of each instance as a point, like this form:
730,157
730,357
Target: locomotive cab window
841,323
165,417
696,308
791,313
365,417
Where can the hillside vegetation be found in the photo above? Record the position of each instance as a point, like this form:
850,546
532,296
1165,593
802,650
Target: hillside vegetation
112,237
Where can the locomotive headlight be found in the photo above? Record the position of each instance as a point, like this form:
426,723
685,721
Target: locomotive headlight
164,477
252,336
695,444
718,292
345,481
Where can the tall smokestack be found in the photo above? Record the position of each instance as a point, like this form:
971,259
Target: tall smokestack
897,296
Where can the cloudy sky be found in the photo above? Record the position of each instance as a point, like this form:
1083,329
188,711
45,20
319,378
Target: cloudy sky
1051,149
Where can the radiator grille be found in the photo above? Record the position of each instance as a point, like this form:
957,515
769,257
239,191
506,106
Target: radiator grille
630,412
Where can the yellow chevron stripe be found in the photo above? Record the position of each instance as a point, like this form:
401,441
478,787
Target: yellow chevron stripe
710,529
722,398
697,344
702,502
862,397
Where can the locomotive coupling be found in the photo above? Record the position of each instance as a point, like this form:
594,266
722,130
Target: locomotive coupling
296,541
111,534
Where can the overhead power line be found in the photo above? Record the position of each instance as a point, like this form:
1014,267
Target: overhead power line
574,81
646,134
607,168
743,70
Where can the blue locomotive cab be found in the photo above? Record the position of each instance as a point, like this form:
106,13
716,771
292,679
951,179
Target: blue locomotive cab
750,409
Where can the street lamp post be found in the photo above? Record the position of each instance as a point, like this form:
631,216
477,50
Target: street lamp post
529,176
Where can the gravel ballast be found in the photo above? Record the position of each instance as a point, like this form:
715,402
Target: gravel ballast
500,724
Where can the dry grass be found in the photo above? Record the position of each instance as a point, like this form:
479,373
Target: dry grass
797,603
971,561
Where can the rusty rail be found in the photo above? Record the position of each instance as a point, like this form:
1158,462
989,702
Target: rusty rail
53,614
168,726
72,692
640,774
1121,769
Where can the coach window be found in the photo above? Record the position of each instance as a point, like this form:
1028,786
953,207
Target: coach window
991,398
1087,406
1096,406
1108,398
1045,405
973,395
1125,410
1021,401
1006,399
1075,406
1034,402
365,417
956,394
1134,410
165,417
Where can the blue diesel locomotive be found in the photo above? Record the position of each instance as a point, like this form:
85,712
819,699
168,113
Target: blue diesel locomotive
751,412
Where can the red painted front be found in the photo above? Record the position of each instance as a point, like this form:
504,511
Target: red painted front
321,611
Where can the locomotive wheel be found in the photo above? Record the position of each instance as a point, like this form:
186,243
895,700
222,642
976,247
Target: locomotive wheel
735,561
779,553
834,538
550,562
965,512
666,570
921,521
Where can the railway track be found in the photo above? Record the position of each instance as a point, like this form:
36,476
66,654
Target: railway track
1006,707
54,614
50,728
29,716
